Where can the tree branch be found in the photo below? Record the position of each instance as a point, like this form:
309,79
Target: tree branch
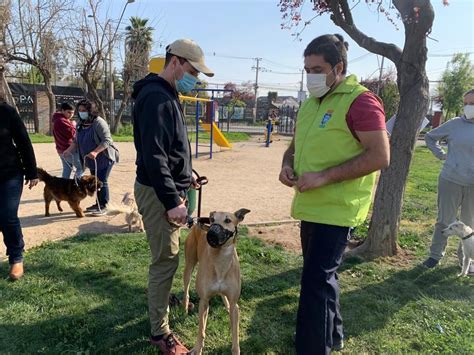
342,17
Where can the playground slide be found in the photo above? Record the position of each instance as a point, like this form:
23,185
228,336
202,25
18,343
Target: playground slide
218,137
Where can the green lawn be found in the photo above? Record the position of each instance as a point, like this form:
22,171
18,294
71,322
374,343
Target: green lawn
203,137
87,295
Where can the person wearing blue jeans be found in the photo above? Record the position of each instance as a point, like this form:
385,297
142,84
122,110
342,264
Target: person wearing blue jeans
323,247
103,175
69,162
94,144
340,142
64,132
18,161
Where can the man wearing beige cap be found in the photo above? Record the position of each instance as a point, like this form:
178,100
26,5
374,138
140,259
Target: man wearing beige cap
164,174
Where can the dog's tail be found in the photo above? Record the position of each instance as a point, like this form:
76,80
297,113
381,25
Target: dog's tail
43,175
116,210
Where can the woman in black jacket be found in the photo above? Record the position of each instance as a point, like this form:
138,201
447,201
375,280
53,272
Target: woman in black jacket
17,162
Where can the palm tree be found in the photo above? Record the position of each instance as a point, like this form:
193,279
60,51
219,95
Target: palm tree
138,43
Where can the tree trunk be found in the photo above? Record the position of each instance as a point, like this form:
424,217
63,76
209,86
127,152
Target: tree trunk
118,118
51,99
94,95
414,103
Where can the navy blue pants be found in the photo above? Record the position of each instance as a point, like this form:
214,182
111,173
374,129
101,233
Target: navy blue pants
319,323
103,175
10,192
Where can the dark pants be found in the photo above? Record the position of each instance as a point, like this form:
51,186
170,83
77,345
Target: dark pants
103,175
319,323
10,192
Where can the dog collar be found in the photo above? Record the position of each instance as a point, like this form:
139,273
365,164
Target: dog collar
468,236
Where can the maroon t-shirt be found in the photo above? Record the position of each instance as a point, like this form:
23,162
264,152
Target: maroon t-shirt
64,131
366,114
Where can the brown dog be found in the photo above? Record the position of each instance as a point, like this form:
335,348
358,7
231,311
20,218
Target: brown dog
71,190
214,247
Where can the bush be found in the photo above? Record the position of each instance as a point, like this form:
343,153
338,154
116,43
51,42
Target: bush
125,130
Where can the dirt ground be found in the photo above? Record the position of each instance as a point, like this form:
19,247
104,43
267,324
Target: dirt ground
245,176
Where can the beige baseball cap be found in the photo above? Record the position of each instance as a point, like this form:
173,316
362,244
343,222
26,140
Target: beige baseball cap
189,50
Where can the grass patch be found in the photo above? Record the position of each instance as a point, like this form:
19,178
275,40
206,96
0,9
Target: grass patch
232,137
126,135
87,295
40,138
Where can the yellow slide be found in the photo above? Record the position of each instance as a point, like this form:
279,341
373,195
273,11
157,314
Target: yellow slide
218,136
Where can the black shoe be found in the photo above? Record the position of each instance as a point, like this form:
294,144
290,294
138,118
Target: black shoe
92,208
338,345
430,263
101,212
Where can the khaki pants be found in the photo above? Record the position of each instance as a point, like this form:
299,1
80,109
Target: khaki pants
451,197
164,246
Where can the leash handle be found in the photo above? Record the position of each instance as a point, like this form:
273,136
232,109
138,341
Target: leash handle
201,180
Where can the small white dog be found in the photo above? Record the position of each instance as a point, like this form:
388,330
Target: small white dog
467,238
132,217
130,209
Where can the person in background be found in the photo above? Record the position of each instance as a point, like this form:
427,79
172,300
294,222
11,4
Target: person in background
95,145
18,163
164,174
456,180
64,131
340,142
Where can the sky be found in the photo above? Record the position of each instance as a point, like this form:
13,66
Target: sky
234,32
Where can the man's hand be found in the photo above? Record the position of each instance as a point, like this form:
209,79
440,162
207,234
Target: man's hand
194,182
31,183
178,214
287,176
311,180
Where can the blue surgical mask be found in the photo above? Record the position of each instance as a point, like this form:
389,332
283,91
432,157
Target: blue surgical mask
83,115
186,84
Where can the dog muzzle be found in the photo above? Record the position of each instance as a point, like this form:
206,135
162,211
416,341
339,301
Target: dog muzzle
218,236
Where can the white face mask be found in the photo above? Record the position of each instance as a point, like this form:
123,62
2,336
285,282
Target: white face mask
83,115
316,84
469,111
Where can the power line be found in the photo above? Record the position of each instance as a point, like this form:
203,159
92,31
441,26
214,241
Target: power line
279,64
360,57
448,55
278,72
213,54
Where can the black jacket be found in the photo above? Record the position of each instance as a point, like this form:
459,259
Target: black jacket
161,140
16,151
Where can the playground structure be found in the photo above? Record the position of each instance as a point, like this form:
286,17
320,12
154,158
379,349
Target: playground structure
156,65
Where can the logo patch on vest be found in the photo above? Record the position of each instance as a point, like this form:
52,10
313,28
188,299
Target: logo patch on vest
327,116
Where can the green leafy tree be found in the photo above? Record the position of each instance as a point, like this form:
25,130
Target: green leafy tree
455,81
388,92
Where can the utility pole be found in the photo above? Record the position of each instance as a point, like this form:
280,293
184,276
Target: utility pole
380,77
301,93
257,69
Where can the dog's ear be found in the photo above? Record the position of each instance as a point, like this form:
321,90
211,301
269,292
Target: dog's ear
240,214
211,215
